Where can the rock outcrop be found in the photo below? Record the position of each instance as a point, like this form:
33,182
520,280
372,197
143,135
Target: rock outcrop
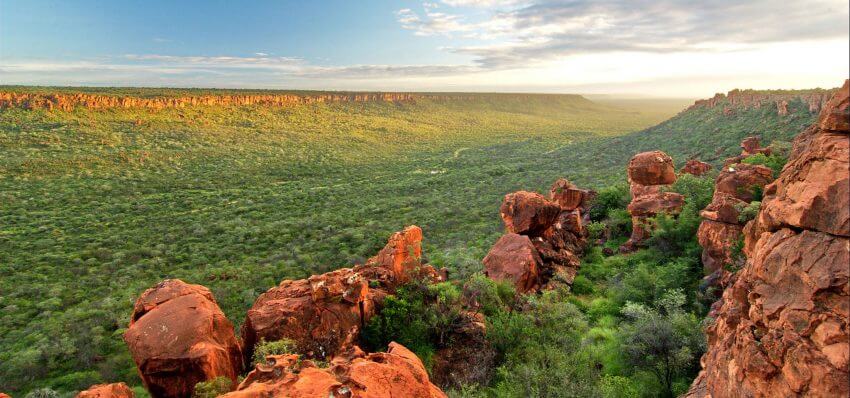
755,99
514,258
178,337
324,314
721,229
544,239
114,390
528,213
395,373
782,329
695,167
649,173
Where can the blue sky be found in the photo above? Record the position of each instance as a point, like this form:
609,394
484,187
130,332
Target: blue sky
661,47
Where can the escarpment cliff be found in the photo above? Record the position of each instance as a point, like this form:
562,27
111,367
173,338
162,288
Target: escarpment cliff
782,329
813,99
67,102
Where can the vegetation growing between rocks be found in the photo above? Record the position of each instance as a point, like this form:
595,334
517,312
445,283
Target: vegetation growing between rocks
95,206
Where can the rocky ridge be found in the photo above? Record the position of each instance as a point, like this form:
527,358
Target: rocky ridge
735,188
781,328
755,99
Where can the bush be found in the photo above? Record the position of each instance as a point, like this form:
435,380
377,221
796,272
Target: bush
417,317
774,162
608,199
42,393
749,212
213,388
664,340
266,348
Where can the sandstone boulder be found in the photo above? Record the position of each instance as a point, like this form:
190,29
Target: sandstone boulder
395,373
515,259
178,337
114,390
837,116
567,195
717,240
812,190
695,167
724,208
743,181
652,204
652,168
528,213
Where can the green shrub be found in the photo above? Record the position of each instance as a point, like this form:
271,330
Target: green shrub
266,348
774,162
595,229
213,388
582,285
42,393
664,339
749,212
609,198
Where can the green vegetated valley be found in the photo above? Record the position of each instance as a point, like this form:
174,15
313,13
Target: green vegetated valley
97,205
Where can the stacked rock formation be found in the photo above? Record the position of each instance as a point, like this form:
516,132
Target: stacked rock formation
649,173
544,238
114,390
395,373
324,314
782,329
179,337
736,186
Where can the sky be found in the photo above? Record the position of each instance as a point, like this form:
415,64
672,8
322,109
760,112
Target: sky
661,48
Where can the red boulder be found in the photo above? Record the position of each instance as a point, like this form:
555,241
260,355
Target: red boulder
395,373
114,390
695,167
178,337
743,181
652,168
528,213
513,258
567,195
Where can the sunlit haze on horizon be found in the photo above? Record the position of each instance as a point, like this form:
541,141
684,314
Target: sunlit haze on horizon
666,48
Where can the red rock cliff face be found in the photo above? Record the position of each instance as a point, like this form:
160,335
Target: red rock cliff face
814,100
67,102
781,329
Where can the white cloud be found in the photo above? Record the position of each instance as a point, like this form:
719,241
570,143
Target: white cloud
520,33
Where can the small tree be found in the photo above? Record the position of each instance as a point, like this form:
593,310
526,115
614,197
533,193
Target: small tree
664,340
